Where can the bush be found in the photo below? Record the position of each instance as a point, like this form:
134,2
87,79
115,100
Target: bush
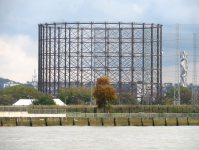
44,100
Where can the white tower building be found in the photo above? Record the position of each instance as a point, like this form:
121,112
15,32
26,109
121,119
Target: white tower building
183,68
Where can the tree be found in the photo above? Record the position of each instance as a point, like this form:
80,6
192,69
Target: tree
44,100
74,95
104,93
125,99
16,92
185,95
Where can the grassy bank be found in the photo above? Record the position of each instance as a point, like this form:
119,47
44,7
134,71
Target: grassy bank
124,108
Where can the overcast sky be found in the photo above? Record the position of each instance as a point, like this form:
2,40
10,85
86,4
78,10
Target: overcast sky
19,21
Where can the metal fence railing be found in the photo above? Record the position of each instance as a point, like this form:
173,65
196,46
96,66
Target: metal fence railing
47,111
11,108
79,114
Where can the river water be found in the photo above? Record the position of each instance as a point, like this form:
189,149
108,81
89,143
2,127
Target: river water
102,138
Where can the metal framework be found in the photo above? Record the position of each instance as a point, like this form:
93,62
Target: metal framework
176,83
194,78
76,54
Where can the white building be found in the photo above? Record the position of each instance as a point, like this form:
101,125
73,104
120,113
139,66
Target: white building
9,84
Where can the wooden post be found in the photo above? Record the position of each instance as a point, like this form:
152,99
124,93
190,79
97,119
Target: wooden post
165,121
16,121
1,122
60,121
46,122
153,122
114,122
177,121
30,121
188,121
73,121
88,122
141,122
129,123
102,121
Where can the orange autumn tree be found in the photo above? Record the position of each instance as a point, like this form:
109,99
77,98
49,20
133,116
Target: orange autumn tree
104,93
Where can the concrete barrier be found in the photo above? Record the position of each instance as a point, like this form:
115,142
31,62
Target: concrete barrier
25,114
108,121
135,121
159,121
9,121
53,121
80,121
172,121
147,121
23,121
193,121
94,121
121,121
182,121
67,121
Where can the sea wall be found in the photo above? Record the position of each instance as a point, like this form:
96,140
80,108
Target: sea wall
97,121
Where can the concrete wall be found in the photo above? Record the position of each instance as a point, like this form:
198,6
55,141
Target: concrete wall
97,121
25,114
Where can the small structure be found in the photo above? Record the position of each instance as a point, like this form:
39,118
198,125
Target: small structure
23,102
26,102
58,102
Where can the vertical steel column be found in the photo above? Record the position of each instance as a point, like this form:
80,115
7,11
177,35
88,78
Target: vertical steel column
120,58
132,60
161,61
94,58
152,63
58,57
94,61
105,67
65,67
143,81
54,58
107,51
46,58
49,60
91,59
43,60
78,55
158,65
69,56
39,57
81,56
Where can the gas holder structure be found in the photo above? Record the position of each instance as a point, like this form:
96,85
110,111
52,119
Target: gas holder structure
76,54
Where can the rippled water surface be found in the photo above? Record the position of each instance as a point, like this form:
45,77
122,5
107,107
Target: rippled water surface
109,138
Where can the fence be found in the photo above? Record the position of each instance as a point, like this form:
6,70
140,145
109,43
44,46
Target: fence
47,111
11,108
79,114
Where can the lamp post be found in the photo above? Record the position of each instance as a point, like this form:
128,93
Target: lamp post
29,96
123,100
65,98
4,100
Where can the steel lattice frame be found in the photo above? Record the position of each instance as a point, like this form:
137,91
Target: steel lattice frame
76,54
